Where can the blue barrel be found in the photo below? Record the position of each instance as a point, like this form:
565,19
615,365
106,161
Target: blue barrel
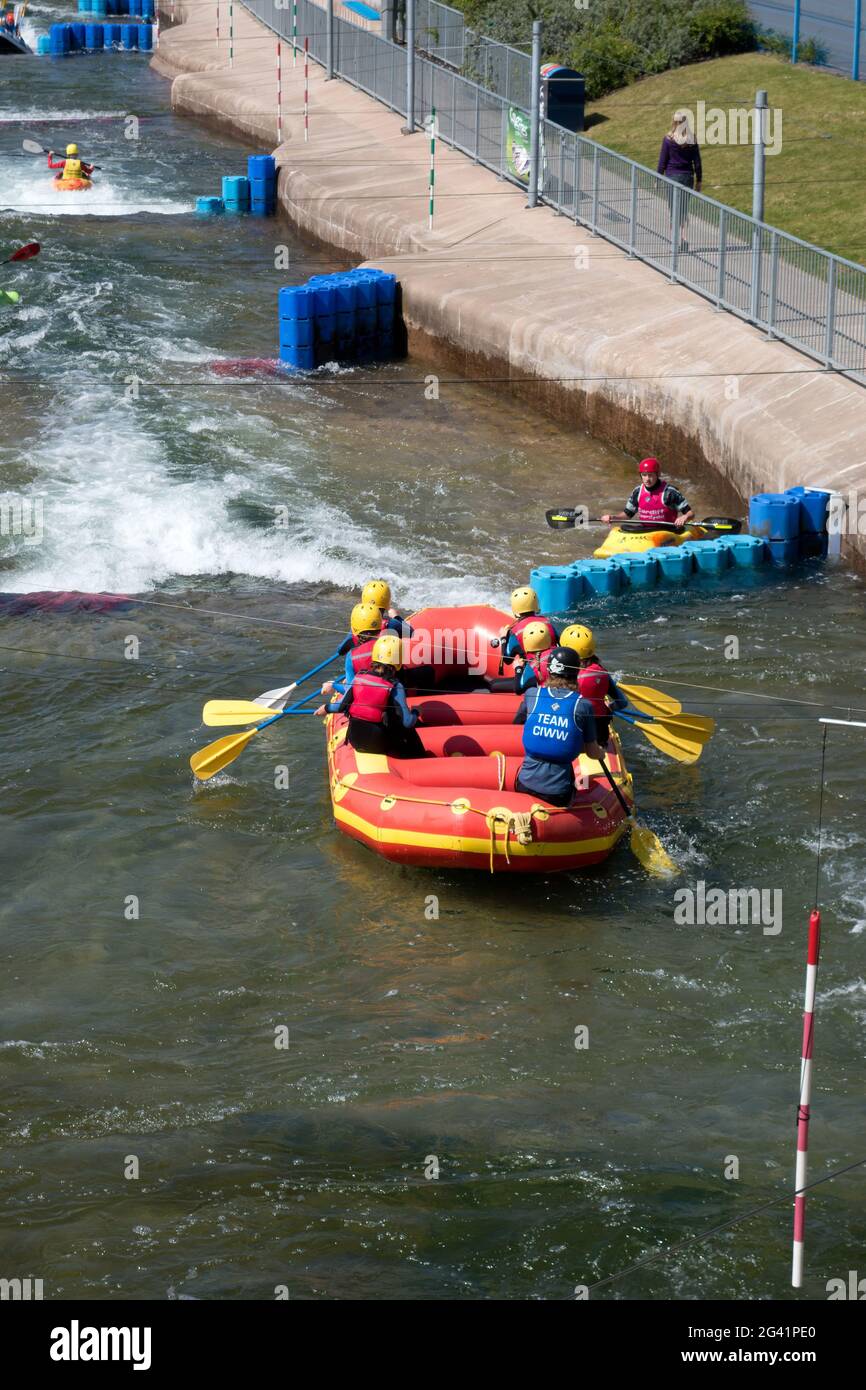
145,38
236,189
747,552
774,515
112,35
58,38
133,7
710,557
129,36
209,207
43,44
814,505
77,36
676,564
296,302
263,189
302,358
262,166
551,583
94,37
296,333
641,571
386,287
85,7
346,300
785,552
601,576
99,8
147,10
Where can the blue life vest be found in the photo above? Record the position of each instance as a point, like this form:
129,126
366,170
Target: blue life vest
550,731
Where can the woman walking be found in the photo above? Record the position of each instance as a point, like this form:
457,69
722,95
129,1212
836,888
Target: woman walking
680,156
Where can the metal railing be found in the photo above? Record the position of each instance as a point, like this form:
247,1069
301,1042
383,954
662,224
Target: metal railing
793,291
440,31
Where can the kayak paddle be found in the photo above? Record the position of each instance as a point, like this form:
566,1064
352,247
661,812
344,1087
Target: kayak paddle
646,847
23,253
219,712
212,759
33,147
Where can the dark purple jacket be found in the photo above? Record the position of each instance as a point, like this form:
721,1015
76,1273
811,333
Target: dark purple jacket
676,160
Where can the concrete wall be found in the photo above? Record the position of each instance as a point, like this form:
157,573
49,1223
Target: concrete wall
527,299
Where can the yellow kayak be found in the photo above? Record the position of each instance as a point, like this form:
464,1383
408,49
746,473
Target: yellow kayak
619,541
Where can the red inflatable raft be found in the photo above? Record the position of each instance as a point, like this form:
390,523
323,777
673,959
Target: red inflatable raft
458,809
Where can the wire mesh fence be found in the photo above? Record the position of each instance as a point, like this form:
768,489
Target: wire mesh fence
792,291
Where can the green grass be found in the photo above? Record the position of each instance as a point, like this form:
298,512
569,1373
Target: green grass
816,185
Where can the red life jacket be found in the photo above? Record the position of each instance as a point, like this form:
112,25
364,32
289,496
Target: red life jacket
362,656
370,697
651,505
540,661
521,623
593,683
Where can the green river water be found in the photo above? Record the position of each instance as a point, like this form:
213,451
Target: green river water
411,1039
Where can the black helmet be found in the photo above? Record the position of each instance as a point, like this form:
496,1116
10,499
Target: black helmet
563,662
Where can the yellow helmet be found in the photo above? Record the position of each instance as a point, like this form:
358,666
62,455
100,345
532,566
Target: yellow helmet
388,649
523,601
378,591
535,637
72,149
579,638
365,618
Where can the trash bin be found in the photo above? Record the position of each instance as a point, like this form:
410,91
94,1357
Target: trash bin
563,93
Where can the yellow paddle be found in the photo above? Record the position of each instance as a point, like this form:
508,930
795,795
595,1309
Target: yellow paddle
681,737
220,712
207,762
646,847
650,701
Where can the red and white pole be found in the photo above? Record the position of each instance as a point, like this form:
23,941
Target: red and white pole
279,96
805,1096
306,88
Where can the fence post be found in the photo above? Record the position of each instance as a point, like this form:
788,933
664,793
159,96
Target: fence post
855,56
409,128
720,284
560,189
329,47
594,222
535,113
774,270
477,120
633,213
757,260
795,37
830,333
578,165
676,189
758,135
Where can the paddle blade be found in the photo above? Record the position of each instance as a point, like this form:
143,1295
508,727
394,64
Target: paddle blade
683,748
651,853
24,253
33,147
275,699
560,518
11,296
220,712
207,762
650,701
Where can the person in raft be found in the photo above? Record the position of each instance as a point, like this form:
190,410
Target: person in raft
654,499
680,155
72,166
559,725
594,683
512,640
365,623
380,721
378,591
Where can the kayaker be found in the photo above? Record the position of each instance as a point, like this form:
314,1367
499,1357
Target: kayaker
654,499
365,623
594,683
378,591
380,720
559,726
73,167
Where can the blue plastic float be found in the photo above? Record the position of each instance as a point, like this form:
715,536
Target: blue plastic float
346,317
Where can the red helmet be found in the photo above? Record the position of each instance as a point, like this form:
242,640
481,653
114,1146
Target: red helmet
648,466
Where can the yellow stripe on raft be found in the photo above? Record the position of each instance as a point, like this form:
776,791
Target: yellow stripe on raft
462,844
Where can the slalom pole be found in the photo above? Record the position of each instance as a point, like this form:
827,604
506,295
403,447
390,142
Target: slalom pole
294,33
306,88
805,1095
279,95
432,166
231,35
217,23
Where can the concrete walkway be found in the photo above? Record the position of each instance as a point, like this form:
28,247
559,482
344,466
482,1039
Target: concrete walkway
526,297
